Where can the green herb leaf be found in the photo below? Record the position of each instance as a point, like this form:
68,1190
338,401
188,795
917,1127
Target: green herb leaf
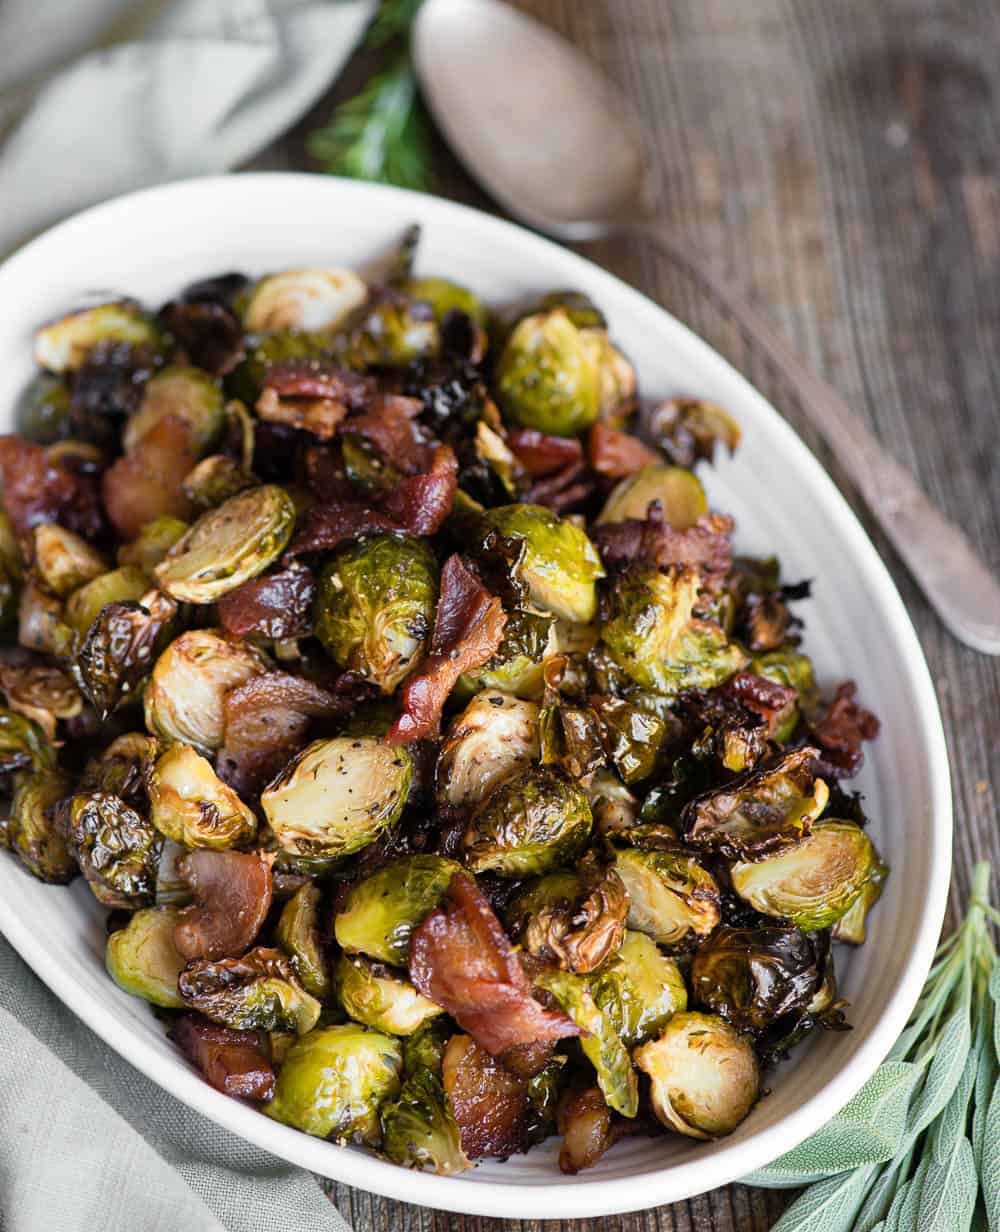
880,1196
828,1206
948,1194
986,1082
950,1052
990,1177
949,1128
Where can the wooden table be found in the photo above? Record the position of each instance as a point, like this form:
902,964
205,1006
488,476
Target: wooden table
839,161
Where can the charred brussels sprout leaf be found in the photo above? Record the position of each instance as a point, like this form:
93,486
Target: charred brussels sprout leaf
444,297
120,646
382,911
600,1043
33,833
759,813
546,377
65,344
814,883
424,1049
122,768
571,739
307,299
531,823
704,1076
632,737
189,395
672,898
375,607
495,736
228,545
142,957
374,995
688,430
190,804
298,934
655,639
576,919
418,1129
678,491
258,992
560,564
639,989
64,561
333,1082
117,849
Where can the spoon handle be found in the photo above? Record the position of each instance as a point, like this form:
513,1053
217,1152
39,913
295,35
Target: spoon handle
958,585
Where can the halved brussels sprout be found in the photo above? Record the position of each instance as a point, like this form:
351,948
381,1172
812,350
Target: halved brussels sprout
376,996
119,647
814,883
546,377
42,692
679,492
43,410
333,1082
258,992
517,665
687,429
616,379
654,638
571,738
761,812
183,700
142,957
186,393
533,822
851,925
214,480
444,297
117,849
560,564
190,804
153,542
418,1129
310,299
495,736
65,344
338,795
374,608
632,736
23,744
298,934
671,896
395,331
31,831
639,989
40,624
228,545
704,1075
599,1041
125,585
381,912
573,918
613,805
122,768
63,560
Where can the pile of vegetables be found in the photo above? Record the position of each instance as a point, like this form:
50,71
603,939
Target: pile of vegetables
448,781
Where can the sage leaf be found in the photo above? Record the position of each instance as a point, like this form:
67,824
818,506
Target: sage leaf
989,1179
829,1205
909,1199
986,1081
945,1071
876,1205
950,1125
995,994
948,1194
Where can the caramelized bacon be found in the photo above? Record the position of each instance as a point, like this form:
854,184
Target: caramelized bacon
277,605
652,542
234,1062
390,424
232,896
489,1103
764,697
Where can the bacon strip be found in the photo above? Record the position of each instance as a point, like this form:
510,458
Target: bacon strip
234,1062
652,542
277,605
468,628
764,697
541,454
461,959
390,425
841,731
148,482
617,454
232,893
36,489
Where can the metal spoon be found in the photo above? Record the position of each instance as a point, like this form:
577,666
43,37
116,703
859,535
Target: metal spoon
554,144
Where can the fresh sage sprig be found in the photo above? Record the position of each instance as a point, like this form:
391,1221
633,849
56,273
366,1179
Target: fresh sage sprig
918,1148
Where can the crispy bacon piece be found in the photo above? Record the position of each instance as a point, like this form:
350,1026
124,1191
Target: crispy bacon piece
541,454
764,697
489,1103
266,720
232,896
617,454
841,731
277,605
36,489
652,542
461,959
234,1062
468,628
148,482
390,424
316,378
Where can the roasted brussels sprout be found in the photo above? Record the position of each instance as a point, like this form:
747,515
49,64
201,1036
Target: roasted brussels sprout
142,957
559,566
678,491
632,736
613,805
546,376
42,692
517,665
309,299
119,647
125,585
671,897
334,1080
424,1049
117,849
375,607
573,918
214,480
258,992
373,994
153,542
122,768
23,744
851,925
298,934
792,668
65,344
43,412
228,545
688,429
704,1076
183,700
444,297
31,830
189,395
395,331
190,804
338,795
814,883
418,1129
639,989
64,561
40,624
761,812
529,824
599,1041
654,638
382,911
494,737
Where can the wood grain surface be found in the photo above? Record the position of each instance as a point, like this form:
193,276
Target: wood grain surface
839,162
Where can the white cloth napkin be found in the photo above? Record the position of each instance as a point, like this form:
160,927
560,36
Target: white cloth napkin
98,97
